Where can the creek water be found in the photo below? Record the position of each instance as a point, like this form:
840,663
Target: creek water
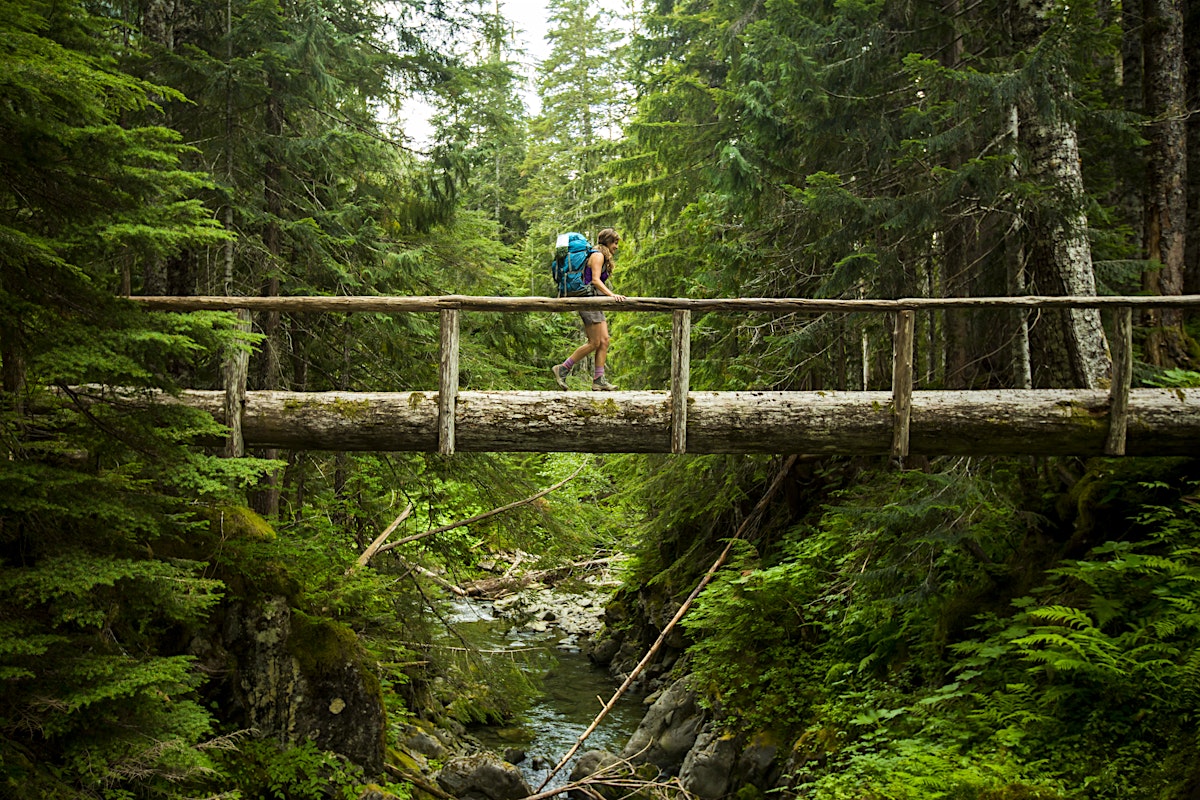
569,691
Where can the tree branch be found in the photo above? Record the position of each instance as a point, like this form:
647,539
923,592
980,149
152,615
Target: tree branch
484,515
379,540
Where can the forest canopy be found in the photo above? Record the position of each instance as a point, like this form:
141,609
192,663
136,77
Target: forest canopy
963,628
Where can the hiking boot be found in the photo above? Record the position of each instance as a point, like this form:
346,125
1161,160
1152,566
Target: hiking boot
560,376
601,384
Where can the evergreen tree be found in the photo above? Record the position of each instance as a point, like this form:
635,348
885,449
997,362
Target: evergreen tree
575,135
95,700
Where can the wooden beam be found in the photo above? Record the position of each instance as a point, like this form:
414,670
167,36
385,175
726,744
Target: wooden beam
396,305
902,383
448,380
990,422
1122,380
681,356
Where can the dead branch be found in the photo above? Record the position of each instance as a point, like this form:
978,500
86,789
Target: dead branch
379,540
485,514
492,587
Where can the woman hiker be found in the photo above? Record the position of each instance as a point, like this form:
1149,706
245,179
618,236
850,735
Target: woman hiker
595,273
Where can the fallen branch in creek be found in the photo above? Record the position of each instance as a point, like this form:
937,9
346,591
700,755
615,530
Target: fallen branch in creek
666,631
485,514
621,774
493,587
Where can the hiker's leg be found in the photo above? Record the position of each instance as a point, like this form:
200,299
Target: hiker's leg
598,333
597,337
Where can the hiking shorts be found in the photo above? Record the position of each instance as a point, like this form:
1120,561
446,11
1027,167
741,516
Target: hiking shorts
591,317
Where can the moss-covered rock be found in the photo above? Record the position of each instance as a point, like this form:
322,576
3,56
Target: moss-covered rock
298,678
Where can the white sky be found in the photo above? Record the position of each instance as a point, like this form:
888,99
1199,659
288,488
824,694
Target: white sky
531,21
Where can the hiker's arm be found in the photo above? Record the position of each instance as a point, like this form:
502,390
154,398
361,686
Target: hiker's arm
596,262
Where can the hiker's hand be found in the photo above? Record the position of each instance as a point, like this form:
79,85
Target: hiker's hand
620,298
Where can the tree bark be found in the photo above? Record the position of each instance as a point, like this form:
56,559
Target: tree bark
1068,348
265,499
1166,174
989,422
1191,38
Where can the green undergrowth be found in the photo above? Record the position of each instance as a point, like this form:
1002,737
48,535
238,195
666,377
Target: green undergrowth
988,629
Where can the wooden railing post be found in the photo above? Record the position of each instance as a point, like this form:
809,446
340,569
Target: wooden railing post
448,380
234,374
681,356
902,383
1122,380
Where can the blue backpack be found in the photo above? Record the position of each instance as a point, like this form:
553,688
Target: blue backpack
571,253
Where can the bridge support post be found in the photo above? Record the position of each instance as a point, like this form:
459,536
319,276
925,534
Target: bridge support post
234,374
448,380
1122,380
681,358
902,383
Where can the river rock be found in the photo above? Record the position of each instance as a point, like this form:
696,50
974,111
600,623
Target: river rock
426,744
592,762
668,731
589,764
483,777
708,766
757,763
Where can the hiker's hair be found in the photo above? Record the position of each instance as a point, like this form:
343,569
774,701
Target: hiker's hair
605,239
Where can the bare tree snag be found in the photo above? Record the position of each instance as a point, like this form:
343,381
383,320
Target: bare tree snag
1122,379
448,380
235,371
902,383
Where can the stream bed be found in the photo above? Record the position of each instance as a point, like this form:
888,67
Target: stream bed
543,630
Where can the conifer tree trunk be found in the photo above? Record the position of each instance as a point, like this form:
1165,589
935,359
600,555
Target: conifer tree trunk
266,501
1191,52
1166,192
1067,348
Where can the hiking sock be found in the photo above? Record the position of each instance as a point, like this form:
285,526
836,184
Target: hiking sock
568,365
598,374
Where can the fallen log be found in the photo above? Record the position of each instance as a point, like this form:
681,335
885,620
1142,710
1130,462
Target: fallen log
992,422
508,582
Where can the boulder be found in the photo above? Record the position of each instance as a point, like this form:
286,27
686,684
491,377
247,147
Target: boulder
668,730
757,763
708,766
299,678
482,777
592,762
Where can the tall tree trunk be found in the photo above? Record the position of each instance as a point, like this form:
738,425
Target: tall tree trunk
1068,348
956,241
1166,187
1191,38
266,500
957,284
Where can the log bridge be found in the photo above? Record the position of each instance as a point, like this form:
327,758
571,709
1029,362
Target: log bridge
1115,421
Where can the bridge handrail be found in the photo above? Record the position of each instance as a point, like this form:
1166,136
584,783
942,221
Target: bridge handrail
405,304
450,307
